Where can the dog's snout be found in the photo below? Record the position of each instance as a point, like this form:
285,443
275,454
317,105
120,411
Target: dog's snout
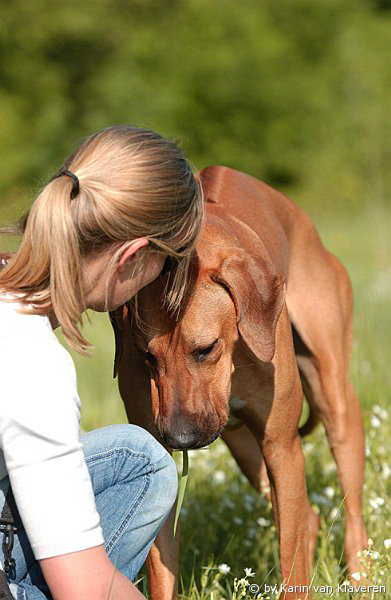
182,440
189,440
182,433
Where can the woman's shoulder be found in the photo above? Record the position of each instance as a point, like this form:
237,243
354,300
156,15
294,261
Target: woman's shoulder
35,367
29,339
13,322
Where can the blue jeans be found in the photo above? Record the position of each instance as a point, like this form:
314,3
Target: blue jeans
135,485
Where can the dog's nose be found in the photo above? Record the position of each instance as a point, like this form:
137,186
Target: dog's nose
183,439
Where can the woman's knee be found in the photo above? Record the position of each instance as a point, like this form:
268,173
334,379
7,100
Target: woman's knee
133,453
135,439
166,479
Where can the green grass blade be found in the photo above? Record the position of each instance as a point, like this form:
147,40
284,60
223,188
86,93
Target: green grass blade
182,486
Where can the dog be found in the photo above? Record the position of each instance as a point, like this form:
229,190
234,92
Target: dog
268,315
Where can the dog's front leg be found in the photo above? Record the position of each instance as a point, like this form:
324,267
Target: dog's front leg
285,465
274,421
163,562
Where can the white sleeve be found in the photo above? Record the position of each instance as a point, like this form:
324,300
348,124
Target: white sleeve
39,436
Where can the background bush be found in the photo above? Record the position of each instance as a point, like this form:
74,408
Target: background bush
295,92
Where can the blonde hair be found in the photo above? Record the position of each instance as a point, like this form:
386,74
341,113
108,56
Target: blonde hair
132,183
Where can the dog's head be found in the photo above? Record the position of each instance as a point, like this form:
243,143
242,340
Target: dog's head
231,293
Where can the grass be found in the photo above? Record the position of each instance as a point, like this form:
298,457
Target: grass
223,521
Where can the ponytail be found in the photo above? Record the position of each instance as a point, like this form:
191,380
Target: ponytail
120,184
49,254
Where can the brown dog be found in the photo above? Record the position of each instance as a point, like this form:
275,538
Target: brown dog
268,314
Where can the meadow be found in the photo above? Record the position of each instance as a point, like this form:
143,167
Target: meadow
294,92
226,527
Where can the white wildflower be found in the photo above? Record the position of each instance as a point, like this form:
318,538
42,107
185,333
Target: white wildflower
249,572
387,543
263,522
224,569
375,422
219,477
386,470
376,502
379,411
329,491
356,576
334,513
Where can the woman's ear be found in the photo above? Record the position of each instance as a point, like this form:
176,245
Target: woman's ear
117,318
131,250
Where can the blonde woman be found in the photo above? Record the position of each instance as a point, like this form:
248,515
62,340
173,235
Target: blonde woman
98,232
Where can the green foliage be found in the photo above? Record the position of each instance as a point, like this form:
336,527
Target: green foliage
292,91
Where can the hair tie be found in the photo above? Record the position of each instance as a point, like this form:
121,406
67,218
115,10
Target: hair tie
75,182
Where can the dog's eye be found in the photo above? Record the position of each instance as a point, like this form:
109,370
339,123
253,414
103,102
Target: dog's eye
202,353
151,360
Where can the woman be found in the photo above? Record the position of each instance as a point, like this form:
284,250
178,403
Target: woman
98,232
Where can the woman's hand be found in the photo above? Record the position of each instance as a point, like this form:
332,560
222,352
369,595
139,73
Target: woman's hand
87,574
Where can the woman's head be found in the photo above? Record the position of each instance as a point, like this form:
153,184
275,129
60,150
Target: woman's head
132,185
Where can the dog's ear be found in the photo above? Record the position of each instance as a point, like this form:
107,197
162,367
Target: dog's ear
117,318
258,293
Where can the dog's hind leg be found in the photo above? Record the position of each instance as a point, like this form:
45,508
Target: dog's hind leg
323,319
246,452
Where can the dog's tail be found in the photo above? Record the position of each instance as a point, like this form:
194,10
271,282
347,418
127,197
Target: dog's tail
311,422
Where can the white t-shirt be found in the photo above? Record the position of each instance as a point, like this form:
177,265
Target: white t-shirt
39,436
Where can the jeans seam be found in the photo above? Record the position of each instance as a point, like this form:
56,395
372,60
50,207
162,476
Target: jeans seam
118,450
125,522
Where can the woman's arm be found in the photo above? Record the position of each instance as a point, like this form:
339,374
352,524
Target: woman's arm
87,574
39,436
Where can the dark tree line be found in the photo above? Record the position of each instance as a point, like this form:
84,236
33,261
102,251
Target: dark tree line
292,91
